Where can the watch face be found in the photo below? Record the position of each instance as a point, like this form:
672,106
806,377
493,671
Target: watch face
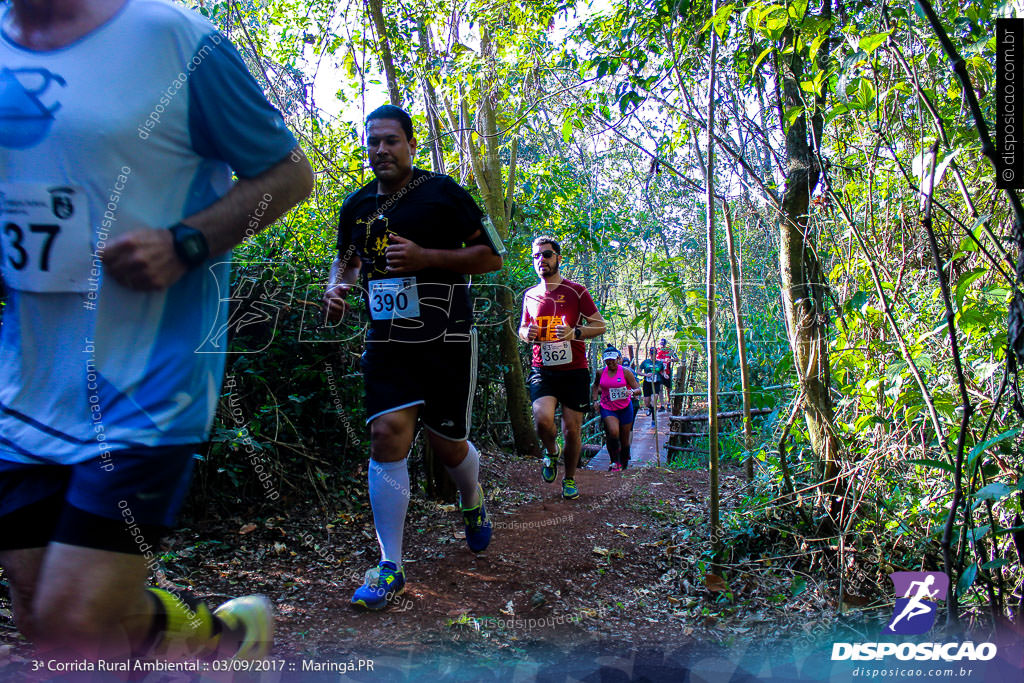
192,247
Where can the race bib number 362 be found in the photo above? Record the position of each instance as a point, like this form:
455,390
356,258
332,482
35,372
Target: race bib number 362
555,353
45,241
395,297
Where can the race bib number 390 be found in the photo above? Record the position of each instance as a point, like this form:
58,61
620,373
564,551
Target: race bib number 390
394,298
45,241
555,353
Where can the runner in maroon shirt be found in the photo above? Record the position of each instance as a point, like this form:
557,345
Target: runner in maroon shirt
554,313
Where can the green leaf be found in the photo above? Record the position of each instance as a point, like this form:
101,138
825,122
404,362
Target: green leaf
816,45
967,579
776,24
722,19
764,53
995,491
995,564
865,94
836,111
797,9
792,114
797,586
865,421
937,464
978,533
870,43
858,300
965,282
982,447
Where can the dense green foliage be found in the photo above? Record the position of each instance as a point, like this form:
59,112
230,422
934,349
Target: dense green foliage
602,112
602,116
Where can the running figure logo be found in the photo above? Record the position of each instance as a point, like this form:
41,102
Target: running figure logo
914,612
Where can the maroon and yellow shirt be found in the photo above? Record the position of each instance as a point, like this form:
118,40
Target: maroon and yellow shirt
565,304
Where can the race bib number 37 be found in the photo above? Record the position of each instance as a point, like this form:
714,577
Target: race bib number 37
394,298
555,353
44,237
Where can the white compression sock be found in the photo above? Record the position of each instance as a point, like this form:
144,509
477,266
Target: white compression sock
466,477
389,498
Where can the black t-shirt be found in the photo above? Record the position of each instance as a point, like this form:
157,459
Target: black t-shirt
433,211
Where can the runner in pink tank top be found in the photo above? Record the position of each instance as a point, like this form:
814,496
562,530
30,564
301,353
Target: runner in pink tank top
614,390
616,386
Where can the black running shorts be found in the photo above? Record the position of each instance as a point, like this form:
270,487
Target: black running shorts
438,375
571,388
122,502
648,389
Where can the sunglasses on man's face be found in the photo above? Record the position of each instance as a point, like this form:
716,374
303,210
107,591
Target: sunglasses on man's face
547,253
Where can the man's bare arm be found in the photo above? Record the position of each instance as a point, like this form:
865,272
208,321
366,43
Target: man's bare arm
344,274
595,327
240,212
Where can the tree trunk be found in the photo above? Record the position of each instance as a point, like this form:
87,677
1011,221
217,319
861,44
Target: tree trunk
497,197
712,333
430,100
803,291
517,400
376,9
741,341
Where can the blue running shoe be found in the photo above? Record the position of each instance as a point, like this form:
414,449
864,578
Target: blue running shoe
550,467
375,593
478,527
569,489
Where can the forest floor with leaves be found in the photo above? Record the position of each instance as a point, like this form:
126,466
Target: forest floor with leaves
613,569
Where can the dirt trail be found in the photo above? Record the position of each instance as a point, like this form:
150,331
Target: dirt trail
563,582
557,570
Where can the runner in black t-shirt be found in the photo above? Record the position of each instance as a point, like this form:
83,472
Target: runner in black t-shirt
412,235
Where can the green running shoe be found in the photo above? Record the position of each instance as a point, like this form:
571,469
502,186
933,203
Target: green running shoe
550,468
569,490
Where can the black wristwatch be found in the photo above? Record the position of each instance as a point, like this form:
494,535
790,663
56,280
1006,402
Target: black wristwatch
577,333
190,245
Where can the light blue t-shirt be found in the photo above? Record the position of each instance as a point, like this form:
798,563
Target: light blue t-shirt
136,125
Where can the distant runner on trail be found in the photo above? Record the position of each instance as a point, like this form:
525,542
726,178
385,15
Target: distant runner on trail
412,235
650,370
666,356
612,391
554,313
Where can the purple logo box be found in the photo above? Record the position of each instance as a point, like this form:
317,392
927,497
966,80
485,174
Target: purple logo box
915,609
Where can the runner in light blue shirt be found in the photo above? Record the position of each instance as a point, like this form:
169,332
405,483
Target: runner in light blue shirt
121,122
